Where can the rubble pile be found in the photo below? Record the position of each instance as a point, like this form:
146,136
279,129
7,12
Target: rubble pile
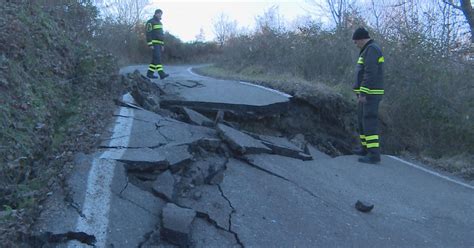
181,157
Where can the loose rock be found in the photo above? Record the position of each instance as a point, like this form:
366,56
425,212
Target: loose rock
177,224
164,186
363,206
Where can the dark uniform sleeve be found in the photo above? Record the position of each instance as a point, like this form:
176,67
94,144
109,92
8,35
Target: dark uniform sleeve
148,32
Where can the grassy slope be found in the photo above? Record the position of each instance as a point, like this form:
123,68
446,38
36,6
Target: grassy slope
56,95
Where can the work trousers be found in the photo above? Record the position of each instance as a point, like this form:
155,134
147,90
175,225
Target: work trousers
155,65
367,114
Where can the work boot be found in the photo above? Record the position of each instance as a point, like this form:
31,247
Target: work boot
163,75
370,158
360,151
151,75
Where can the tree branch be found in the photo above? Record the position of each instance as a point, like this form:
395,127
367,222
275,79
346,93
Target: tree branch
452,4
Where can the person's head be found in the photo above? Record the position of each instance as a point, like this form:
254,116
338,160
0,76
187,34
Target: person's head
360,37
158,13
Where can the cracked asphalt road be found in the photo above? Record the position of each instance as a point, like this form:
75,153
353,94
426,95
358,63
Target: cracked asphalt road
247,200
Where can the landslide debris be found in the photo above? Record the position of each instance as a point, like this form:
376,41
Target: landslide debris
192,190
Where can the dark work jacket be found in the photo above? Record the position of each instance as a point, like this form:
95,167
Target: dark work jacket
369,71
154,32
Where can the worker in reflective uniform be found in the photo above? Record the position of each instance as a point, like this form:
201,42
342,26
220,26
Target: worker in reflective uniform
155,40
369,90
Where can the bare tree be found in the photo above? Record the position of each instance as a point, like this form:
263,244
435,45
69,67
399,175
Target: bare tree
224,28
337,9
201,36
127,12
467,9
272,20
376,13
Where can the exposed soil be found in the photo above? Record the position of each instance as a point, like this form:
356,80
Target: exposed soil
325,119
328,119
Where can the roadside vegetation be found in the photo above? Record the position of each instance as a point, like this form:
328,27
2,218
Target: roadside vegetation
428,107
55,93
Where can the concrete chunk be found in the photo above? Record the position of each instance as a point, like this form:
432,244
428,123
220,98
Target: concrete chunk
205,234
216,178
206,171
142,115
127,104
197,118
163,186
279,141
284,147
148,138
133,214
176,223
209,144
317,154
143,159
241,142
146,159
210,203
177,156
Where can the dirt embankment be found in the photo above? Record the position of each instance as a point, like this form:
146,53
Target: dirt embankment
56,94
324,117
328,118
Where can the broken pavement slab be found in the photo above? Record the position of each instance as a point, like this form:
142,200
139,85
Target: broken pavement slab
128,101
284,147
146,159
210,203
228,95
317,154
145,115
140,139
241,142
197,118
163,186
205,234
135,212
247,143
209,144
176,224
143,159
178,156
160,132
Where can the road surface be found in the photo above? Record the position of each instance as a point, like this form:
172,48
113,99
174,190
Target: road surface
224,188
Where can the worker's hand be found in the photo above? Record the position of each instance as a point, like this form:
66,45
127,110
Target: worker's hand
151,47
162,48
362,99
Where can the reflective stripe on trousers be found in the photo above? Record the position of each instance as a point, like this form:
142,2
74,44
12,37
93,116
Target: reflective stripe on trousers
155,64
367,114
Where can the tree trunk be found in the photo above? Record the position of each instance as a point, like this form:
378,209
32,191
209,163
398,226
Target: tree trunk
468,11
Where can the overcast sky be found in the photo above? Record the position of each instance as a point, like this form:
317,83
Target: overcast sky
185,18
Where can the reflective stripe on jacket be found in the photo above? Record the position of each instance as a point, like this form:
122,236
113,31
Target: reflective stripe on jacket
154,32
369,70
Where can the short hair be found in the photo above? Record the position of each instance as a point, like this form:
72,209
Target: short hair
158,11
